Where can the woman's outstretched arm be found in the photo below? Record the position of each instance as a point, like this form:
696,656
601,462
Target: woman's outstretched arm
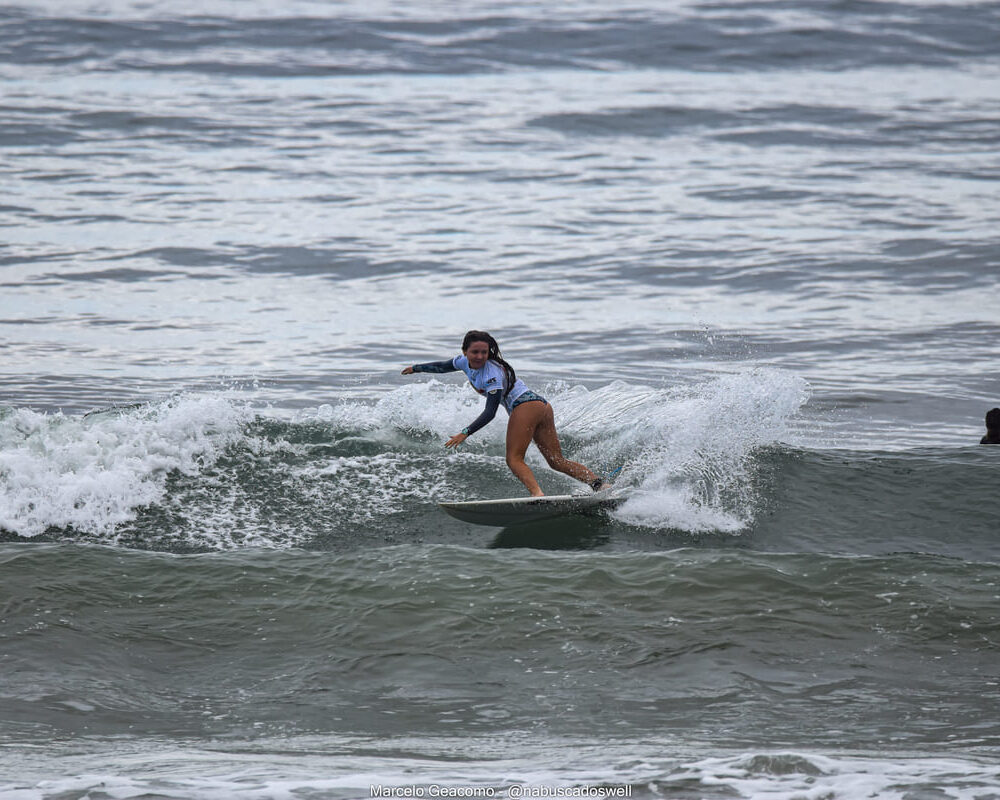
432,366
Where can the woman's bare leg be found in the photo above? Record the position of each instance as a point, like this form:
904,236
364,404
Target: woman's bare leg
521,427
545,436
548,442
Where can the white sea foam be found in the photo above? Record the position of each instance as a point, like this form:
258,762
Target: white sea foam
791,776
360,488
291,771
687,451
93,472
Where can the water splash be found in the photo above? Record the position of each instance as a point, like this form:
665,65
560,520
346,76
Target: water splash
92,473
686,451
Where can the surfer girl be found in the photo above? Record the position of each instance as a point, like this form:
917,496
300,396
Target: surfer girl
531,417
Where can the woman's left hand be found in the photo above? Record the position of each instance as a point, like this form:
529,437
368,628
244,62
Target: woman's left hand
456,440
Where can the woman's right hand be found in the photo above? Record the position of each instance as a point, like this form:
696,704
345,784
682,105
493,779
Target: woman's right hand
407,371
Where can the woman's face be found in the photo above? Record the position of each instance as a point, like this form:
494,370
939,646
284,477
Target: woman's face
478,354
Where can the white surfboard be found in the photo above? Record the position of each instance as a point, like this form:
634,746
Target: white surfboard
517,510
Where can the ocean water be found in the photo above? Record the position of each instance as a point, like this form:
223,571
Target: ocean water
749,251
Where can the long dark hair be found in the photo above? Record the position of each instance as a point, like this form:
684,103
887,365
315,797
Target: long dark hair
482,336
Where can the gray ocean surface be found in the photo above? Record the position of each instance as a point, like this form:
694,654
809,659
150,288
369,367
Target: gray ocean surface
750,252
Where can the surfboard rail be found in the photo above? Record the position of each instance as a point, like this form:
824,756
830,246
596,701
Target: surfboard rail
506,511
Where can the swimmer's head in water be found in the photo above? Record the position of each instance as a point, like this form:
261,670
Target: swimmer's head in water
993,419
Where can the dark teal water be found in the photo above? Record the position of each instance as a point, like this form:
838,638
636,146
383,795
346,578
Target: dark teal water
746,249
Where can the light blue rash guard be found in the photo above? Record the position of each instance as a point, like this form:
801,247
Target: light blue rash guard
490,380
